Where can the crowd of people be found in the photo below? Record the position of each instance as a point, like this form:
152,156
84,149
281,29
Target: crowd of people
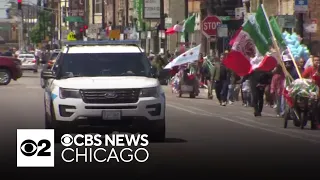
256,90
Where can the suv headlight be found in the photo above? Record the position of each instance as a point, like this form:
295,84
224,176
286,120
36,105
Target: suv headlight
150,92
69,93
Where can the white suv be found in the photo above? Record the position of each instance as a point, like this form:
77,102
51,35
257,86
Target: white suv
101,87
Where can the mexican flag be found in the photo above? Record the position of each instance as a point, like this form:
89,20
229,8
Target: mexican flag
189,24
251,47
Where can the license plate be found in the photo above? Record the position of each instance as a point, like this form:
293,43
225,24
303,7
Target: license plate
111,115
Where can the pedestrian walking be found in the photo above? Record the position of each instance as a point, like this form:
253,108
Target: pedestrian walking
231,87
258,81
220,78
246,92
277,86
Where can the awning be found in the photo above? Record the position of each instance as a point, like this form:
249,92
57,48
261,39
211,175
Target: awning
74,19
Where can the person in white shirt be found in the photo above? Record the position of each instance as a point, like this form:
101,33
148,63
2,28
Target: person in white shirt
309,62
246,92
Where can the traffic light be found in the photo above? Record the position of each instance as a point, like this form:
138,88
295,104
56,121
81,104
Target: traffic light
19,4
85,27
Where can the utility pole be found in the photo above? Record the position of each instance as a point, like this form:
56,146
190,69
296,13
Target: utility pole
52,26
127,16
127,12
186,14
113,14
103,16
162,24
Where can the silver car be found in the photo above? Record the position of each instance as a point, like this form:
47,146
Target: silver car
28,62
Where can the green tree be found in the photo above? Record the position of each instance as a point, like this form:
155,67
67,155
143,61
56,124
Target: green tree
40,30
36,34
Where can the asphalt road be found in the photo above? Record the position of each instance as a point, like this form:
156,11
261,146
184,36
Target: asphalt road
203,138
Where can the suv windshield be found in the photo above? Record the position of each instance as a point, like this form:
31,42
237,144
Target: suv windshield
104,64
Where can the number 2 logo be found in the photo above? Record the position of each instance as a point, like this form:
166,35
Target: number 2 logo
30,148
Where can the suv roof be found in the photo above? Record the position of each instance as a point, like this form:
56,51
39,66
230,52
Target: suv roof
109,46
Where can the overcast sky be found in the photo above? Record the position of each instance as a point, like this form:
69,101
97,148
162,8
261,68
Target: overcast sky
3,9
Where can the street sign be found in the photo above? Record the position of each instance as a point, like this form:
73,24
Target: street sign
225,18
301,6
287,21
209,26
240,12
114,34
71,36
168,22
222,30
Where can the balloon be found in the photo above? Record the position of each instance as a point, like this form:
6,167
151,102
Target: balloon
297,44
289,41
307,51
300,51
291,46
288,37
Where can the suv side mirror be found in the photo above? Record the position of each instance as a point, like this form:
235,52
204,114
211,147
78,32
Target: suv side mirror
164,74
154,72
47,74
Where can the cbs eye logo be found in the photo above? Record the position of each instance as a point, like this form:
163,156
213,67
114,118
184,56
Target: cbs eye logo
30,148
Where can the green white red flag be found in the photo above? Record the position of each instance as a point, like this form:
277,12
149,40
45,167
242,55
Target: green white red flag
251,47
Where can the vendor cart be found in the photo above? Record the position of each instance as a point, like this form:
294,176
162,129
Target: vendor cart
301,103
301,111
185,83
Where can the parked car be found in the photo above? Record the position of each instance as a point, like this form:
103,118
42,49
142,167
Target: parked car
52,58
10,68
29,62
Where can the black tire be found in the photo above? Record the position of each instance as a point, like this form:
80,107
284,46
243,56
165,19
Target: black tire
192,95
303,119
180,94
49,124
157,136
7,74
35,70
286,117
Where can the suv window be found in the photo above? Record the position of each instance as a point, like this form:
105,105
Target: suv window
54,56
104,64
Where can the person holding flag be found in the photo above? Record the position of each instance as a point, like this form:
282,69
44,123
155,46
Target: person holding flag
255,53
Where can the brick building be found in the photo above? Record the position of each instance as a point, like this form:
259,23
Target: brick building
286,7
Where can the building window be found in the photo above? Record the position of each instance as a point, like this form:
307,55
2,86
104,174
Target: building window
98,6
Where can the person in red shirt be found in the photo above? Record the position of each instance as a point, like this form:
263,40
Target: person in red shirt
310,71
313,73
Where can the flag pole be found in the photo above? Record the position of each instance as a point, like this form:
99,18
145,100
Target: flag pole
275,44
295,63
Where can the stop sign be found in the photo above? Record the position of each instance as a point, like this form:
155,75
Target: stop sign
209,26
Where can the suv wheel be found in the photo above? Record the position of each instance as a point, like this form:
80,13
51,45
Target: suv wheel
5,77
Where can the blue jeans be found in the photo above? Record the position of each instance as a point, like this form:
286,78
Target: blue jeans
230,96
280,104
224,90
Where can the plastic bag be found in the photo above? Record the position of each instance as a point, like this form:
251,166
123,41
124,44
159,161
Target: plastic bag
303,88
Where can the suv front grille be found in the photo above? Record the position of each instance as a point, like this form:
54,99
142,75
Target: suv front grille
110,96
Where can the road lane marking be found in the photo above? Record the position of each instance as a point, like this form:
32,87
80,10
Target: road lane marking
248,119
182,109
217,115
